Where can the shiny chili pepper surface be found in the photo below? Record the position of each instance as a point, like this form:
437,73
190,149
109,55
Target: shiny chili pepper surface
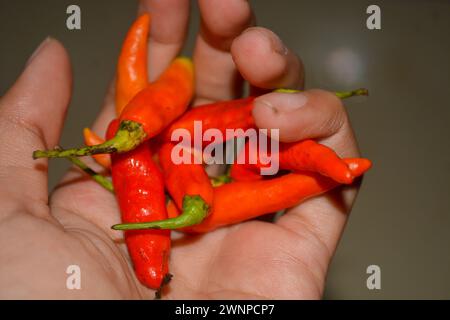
305,155
184,179
139,188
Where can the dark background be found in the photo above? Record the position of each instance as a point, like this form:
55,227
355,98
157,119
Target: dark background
401,220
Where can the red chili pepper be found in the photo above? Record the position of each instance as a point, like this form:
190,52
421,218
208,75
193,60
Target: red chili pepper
221,115
239,201
186,182
191,188
306,155
242,172
139,188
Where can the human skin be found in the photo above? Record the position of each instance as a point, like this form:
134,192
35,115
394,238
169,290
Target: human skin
42,234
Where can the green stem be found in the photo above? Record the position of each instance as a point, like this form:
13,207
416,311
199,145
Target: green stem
195,210
129,135
220,180
339,94
348,94
101,180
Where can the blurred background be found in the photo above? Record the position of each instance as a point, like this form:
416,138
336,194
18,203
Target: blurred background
401,220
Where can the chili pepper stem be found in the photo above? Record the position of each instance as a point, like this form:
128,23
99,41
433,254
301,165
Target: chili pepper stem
339,94
129,135
165,282
220,180
348,94
101,180
195,210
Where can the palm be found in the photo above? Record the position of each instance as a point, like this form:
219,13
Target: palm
251,260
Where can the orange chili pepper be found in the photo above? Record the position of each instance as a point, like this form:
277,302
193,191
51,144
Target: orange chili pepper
305,155
239,201
139,189
131,75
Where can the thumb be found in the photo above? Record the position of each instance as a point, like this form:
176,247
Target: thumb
298,116
31,117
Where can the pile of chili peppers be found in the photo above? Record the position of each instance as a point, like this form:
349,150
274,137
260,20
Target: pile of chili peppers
138,147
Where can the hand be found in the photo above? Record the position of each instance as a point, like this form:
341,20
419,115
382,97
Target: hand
41,238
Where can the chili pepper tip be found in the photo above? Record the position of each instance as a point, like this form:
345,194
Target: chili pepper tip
165,281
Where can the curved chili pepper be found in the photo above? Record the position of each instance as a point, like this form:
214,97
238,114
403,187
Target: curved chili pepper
189,187
131,75
184,178
139,188
257,198
146,115
305,155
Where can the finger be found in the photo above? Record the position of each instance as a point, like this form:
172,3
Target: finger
216,74
313,114
31,117
169,25
318,115
258,47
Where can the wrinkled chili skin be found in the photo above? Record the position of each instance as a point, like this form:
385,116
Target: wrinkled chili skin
139,188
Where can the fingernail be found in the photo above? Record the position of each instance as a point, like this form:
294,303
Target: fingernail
278,45
38,50
281,102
